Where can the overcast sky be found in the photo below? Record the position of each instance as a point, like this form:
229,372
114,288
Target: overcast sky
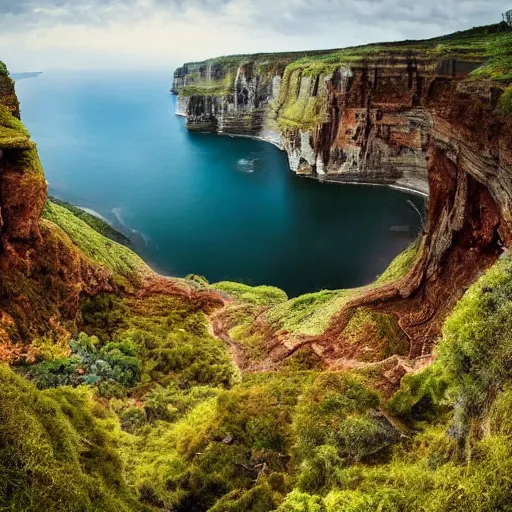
91,34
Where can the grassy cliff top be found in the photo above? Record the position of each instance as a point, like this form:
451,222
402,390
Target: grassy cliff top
3,69
13,133
491,42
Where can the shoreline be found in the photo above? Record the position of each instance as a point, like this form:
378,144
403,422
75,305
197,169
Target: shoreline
396,186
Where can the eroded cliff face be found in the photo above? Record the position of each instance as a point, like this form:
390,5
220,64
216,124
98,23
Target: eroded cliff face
42,275
359,115
425,116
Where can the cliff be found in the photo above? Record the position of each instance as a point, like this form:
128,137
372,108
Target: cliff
362,114
53,257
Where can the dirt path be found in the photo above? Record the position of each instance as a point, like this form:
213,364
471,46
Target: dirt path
218,330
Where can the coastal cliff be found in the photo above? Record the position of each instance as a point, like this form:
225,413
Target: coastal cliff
362,114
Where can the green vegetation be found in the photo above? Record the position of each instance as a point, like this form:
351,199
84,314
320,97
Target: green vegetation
114,363
258,295
505,104
498,51
399,267
3,69
99,249
99,225
477,345
57,451
309,314
489,46
144,410
186,434
13,135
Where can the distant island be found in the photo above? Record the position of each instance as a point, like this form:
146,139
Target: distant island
23,76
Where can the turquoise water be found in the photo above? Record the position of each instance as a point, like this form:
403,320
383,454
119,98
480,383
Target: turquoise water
216,206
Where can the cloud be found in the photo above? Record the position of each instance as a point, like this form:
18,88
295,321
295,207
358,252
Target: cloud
105,33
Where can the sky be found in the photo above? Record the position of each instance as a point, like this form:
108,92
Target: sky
40,35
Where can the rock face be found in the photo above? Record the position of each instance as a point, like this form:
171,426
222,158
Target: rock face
367,123
425,116
42,274
362,115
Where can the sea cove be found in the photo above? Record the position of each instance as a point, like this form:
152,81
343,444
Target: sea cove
222,207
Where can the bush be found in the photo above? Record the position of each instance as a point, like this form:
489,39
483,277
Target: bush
132,419
325,404
421,395
114,363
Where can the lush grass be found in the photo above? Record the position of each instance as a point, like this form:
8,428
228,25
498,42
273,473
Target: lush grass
498,51
99,225
477,345
308,314
95,246
13,135
57,451
315,440
311,313
258,295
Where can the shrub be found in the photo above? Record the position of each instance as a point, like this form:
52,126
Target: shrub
132,419
325,404
297,501
115,363
421,395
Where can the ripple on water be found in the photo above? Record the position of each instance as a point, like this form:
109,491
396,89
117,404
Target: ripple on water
247,165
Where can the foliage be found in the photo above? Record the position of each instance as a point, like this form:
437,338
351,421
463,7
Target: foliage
99,225
499,57
336,420
172,403
261,498
505,103
89,364
3,69
297,501
13,135
104,314
477,345
223,447
308,314
421,395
